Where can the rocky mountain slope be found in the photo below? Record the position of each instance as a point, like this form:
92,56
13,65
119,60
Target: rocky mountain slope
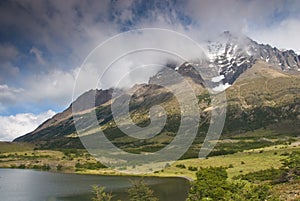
263,85
234,54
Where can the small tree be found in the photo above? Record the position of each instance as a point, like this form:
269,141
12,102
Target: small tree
100,195
291,167
141,192
212,184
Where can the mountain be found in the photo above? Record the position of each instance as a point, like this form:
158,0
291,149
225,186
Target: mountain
234,54
262,86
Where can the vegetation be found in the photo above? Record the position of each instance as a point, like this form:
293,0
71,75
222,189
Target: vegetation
141,192
15,147
263,175
275,165
138,192
291,168
212,184
89,165
100,194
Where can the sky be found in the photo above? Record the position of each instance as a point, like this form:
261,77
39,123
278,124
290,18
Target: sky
44,43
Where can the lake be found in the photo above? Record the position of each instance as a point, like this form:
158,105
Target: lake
32,185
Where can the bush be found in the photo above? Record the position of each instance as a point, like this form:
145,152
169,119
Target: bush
22,166
291,168
90,166
100,195
181,166
59,167
141,192
191,168
212,184
262,175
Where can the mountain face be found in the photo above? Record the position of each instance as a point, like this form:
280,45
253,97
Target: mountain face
61,124
264,92
234,54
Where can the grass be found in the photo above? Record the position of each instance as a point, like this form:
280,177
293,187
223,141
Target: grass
240,163
15,147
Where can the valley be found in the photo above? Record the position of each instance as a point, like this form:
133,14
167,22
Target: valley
261,126
238,159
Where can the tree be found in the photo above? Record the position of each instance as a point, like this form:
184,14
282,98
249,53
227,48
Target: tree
291,167
212,184
141,192
100,195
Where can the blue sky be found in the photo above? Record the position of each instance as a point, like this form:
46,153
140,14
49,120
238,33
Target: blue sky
43,43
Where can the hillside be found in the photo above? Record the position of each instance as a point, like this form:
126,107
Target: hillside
263,85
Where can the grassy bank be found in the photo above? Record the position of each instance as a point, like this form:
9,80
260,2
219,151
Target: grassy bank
79,161
26,156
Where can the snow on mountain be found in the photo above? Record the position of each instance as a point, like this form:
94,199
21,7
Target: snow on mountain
232,54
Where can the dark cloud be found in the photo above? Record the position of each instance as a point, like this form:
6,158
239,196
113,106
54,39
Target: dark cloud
48,40
44,42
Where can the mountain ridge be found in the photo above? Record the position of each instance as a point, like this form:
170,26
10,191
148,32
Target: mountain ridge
233,61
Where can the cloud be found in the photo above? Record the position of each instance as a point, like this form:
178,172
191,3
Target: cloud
55,86
8,54
16,125
8,71
65,33
38,55
284,35
9,95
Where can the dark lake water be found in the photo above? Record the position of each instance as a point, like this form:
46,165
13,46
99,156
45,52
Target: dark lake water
31,185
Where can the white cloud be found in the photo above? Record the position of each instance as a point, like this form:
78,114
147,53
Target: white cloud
38,55
55,86
16,125
9,95
69,30
283,35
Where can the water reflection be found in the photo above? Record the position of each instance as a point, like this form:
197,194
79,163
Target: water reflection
31,185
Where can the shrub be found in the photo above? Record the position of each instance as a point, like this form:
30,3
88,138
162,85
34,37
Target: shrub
191,168
291,168
59,167
141,192
182,166
90,166
212,184
22,166
100,195
262,175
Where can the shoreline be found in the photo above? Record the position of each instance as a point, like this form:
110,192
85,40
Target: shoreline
111,174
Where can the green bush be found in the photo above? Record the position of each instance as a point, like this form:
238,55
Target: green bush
141,192
181,166
100,195
291,168
191,168
212,184
262,175
22,166
90,166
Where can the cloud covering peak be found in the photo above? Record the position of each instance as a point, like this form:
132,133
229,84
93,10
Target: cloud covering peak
43,43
